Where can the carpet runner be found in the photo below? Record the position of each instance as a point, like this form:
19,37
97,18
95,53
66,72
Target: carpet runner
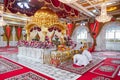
107,70
68,66
10,70
27,76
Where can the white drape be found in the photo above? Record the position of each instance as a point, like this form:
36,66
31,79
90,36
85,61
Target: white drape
49,34
42,36
33,34
59,34
76,33
101,40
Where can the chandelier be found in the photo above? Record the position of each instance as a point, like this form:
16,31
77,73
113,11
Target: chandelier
68,1
104,17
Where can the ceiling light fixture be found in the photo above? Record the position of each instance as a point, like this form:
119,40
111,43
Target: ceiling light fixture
104,17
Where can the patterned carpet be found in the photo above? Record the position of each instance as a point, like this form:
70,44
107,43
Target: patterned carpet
27,76
68,66
7,66
10,70
106,70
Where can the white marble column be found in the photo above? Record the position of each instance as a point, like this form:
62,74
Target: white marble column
23,33
13,33
1,37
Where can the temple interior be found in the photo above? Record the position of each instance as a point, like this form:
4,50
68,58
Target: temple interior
59,39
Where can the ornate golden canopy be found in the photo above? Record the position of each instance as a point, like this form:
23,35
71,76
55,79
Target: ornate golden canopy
45,17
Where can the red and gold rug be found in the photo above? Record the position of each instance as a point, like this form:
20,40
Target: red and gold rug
68,66
113,61
92,76
10,70
107,70
27,76
104,69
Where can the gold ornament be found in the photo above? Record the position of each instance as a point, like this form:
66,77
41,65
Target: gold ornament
45,17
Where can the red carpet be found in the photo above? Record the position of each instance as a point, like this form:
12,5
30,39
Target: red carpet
92,76
9,50
107,70
112,61
10,70
68,66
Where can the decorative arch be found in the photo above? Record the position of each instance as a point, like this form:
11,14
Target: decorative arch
77,29
100,40
29,28
75,33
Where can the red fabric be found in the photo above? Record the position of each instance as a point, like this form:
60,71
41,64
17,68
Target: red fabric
76,12
20,71
67,8
113,19
77,66
109,60
19,31
8,29
90,76
94,29
69,30
105,73
56,3
92,49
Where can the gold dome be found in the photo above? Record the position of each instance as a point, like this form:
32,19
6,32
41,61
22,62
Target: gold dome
45,17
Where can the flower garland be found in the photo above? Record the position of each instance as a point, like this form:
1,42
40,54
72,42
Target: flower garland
35,44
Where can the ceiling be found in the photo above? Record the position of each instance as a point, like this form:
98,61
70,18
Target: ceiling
76,11
91,8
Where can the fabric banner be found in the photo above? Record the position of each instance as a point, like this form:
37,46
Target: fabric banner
19,32
7,30
69,30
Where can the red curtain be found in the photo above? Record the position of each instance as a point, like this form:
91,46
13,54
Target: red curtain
19,32
69,30
8,33
94,30
94,27
56,3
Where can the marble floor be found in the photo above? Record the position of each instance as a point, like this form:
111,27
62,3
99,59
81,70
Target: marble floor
56,73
